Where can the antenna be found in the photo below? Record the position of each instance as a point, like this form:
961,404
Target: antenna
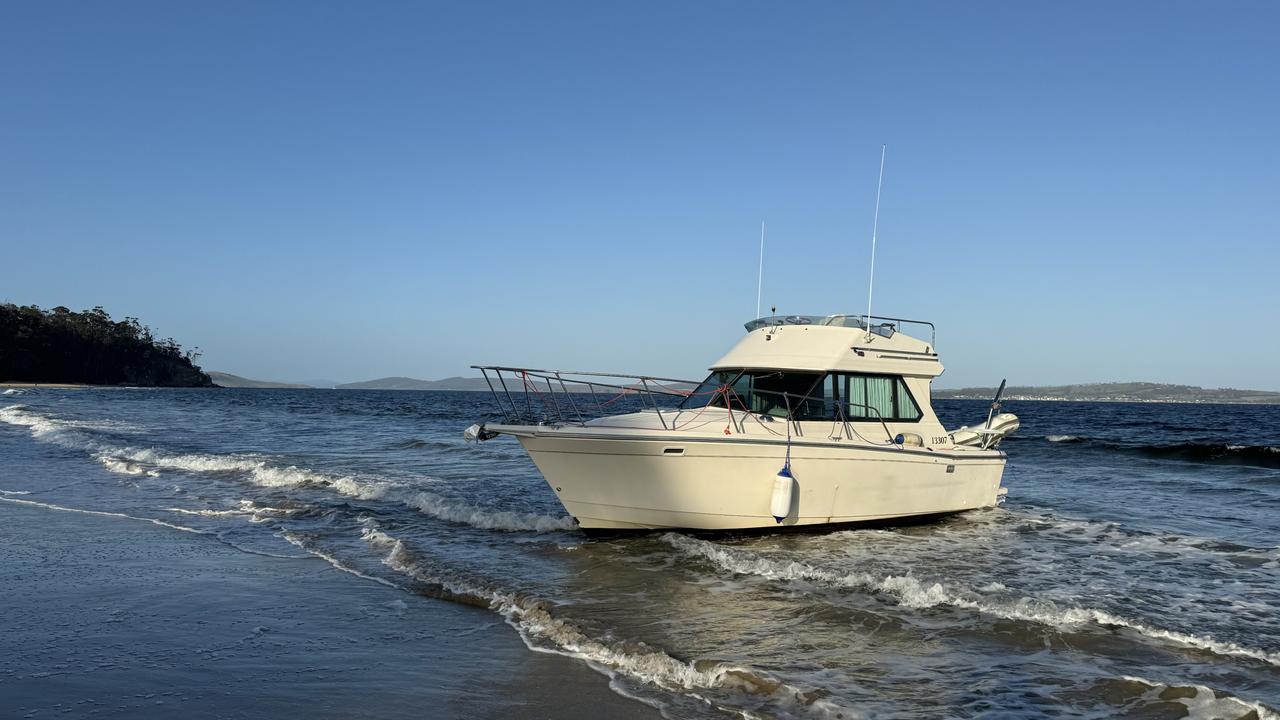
875,225
760,277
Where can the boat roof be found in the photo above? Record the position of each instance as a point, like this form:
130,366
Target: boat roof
822,343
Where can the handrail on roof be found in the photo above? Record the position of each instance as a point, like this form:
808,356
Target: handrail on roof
862,322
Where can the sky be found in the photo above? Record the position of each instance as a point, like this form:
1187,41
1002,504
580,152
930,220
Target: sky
1073,192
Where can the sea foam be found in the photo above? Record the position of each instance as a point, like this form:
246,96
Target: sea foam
1206,703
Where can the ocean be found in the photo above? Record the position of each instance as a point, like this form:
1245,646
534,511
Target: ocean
1132,571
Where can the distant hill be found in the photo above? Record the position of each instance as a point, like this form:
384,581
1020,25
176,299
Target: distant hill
89,348
227,380
476,384
407,383
1119,392
323,383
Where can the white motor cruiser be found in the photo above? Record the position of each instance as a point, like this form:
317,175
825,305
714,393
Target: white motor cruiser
808,420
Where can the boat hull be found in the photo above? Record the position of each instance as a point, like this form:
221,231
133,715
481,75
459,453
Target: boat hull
714,484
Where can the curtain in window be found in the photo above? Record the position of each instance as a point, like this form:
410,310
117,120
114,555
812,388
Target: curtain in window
880,396
907,409
855,394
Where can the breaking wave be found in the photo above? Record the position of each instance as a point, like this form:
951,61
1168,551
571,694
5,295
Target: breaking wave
542,631
485,519
265,473
910,592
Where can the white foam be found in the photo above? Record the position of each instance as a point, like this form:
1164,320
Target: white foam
1061,438
205,513
335,562
911,592
117,465
1206,705
62,431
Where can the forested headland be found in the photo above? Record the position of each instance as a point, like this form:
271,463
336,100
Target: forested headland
62,346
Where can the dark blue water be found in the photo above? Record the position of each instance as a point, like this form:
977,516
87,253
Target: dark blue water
1134,569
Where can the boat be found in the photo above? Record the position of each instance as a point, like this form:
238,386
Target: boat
809,420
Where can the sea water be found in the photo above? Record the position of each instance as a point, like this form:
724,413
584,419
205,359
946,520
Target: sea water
1134,569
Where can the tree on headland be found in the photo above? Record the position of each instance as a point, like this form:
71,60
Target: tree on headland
63,346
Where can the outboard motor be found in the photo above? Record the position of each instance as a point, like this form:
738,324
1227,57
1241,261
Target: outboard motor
989,434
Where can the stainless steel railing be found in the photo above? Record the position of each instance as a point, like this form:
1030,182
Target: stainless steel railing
537,396
888,325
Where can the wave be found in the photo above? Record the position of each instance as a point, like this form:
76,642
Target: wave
542,631
299,542
124,467
261,472
1221,453
103,513
1201,701
485,519
204,513
1121,538
63,431
910,592
419,444
265,472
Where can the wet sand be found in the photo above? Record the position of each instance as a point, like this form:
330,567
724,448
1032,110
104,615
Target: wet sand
112,617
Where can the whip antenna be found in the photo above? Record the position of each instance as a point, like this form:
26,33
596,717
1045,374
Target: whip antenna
875,225
760,276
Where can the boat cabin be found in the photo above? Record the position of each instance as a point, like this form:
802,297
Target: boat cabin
835,368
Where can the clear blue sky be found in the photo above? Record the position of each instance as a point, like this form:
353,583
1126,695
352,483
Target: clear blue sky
1074,192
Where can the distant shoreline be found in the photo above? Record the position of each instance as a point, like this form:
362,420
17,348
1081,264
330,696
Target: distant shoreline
55,386
1021,398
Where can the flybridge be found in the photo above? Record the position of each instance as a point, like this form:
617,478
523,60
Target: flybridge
885,327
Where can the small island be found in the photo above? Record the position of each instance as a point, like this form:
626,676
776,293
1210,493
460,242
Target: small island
89,348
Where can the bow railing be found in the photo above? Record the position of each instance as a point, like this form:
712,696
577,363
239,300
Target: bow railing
528,396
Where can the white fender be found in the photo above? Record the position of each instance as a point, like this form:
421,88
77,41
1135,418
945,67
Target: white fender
780,506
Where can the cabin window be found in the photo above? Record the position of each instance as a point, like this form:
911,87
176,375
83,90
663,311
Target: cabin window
860,397
877,397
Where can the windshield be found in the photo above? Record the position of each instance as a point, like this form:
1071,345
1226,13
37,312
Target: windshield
767,392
